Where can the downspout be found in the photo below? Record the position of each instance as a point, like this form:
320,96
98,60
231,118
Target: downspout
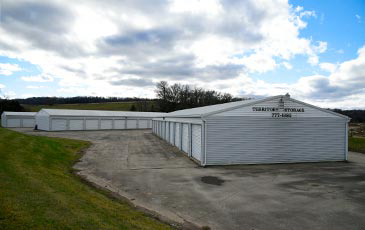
204,141
347,139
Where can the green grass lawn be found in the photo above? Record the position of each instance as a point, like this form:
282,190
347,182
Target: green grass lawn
357,144
39,191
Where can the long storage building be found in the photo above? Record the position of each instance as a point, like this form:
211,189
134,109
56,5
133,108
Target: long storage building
18,119
63,119
277,129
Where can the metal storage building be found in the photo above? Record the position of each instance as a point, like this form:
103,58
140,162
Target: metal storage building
277,129
63,119
17,119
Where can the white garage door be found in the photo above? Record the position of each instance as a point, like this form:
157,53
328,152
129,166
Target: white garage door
92,124
131,124
119,124
177,135
29,123
59,124
167,131
76,124
106,124
172,132
13,123
142,124
196,137
185,138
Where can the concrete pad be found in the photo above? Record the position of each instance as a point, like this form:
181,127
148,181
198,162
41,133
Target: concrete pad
151,173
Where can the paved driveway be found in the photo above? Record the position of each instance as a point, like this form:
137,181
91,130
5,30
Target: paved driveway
152,174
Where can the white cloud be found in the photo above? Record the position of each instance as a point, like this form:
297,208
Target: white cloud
8,69
37,78
34,86
358,17
287,65
329,67
123,48
2,86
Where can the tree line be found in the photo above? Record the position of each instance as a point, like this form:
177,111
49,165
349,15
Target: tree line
76,100
356,115
178,96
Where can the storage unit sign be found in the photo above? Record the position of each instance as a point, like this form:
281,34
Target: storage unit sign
279,112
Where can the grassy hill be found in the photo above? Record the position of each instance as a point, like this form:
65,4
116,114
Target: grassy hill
39,191
113,106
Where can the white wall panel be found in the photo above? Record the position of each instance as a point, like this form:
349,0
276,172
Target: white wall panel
245,140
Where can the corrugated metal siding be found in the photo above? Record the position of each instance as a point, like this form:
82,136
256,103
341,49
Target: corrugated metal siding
42,121
251,140
288,103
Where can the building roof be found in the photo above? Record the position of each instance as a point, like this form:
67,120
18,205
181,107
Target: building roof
99,113
19,113
205,110
213,109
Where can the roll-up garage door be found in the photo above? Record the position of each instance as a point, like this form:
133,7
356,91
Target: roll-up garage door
196,138
119,124
131,124
149,124
92,124
13,123
142,124
177,135
29,123
106,124
185,138
172,132
76,125
59,124
167,131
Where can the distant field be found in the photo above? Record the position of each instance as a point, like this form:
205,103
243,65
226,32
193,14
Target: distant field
113,106
357,144
39,191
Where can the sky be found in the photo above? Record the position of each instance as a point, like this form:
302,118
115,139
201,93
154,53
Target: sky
313,50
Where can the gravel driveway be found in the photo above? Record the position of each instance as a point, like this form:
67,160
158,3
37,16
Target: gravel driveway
152,174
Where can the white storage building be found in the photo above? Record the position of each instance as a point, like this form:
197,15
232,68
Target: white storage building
277,129
63,119
18,119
